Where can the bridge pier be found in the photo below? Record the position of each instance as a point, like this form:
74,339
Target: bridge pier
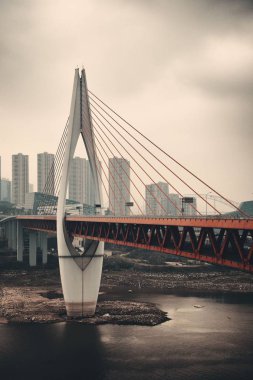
11,234
43,247
7,233
20,242
80,274
81,278
14,235
32,249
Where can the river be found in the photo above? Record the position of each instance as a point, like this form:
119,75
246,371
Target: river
208,337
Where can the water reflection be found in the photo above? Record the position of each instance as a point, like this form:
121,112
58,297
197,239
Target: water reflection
210,342
60,351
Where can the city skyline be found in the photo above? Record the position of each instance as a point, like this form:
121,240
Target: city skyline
158,199
188,87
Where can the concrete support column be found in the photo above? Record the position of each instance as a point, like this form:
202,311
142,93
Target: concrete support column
14,234
7,235
43,246
32,249
11,234
20,242
8,231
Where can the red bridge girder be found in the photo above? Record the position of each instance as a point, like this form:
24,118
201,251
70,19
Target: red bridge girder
218,241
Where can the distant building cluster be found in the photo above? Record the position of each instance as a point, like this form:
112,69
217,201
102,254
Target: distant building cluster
158,199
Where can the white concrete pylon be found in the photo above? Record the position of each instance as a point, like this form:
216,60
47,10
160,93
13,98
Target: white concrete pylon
80,274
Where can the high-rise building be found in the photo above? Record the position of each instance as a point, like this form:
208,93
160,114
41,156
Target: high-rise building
45,169
157,198
5,190
174,205
81,184
20,178
89,183
119,185
77,179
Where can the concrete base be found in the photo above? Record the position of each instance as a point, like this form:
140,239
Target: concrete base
83,309
81,287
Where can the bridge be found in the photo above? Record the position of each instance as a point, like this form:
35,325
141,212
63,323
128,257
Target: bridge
170,223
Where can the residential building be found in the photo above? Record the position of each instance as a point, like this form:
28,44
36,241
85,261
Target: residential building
5,190
20,178
77,177
119,185
45,173
156,195
174,205
81,183
89,198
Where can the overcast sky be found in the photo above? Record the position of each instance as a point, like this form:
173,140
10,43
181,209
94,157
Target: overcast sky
181,71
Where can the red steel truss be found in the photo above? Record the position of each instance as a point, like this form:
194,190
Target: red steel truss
227,242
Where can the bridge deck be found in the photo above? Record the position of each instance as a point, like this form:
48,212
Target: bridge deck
226,242
193,222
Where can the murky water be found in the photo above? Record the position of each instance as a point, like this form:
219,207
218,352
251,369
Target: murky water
207,338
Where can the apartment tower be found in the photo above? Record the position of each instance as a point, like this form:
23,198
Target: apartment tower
20,178
119,185
156,196
45,170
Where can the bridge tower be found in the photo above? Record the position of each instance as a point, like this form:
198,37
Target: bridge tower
80,274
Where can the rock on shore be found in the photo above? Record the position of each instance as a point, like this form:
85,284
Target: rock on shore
33,305
35,295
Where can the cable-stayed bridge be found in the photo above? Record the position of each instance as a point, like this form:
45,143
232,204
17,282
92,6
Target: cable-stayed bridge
136,199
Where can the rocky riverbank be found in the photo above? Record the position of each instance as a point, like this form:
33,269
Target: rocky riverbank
35,295
33,305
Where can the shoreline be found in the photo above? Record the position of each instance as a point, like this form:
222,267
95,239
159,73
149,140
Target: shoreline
35,295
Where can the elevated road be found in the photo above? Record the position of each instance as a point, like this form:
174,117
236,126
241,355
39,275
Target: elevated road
213,240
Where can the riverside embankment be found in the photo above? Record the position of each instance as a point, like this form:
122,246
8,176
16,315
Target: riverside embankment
35,295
